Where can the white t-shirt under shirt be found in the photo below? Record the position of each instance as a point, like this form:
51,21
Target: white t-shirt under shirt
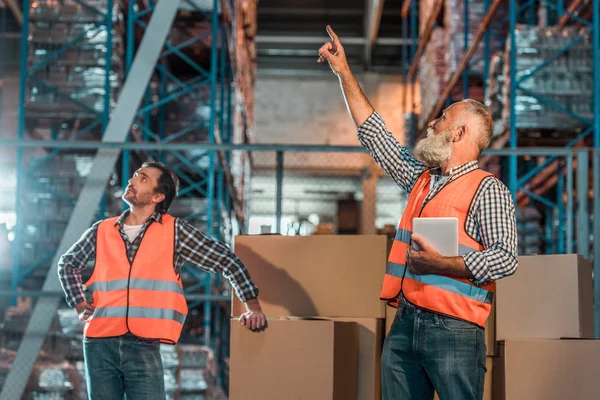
132,231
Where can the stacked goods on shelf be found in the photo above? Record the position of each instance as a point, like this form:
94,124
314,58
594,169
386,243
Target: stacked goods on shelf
566,81
197,373
454,41
51,191
495,91
454,24
190,371
431,74
170,361
65,99
78,71
189,115
530,230
52,377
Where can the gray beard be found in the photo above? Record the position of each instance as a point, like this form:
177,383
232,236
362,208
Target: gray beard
434,150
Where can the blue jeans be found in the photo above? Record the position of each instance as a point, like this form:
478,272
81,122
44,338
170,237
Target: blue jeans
121,366
426,351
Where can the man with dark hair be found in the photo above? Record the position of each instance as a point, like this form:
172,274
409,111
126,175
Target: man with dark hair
137,294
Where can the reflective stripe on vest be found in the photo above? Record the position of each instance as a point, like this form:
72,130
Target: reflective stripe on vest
142,284
144,297
139,312
443,282
456,297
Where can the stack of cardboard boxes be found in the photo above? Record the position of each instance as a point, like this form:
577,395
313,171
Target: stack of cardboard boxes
545,330
326,324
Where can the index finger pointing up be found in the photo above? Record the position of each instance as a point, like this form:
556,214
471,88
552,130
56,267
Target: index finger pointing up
332,35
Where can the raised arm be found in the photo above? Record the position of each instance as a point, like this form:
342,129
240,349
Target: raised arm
395,160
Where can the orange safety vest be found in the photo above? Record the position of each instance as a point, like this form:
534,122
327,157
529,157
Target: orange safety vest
144,297
448,295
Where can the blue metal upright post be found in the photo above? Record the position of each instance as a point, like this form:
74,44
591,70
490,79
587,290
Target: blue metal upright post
570,196
214,64
129,51
279,192
466,47
596,162
486,50
583,222
3,40
21,173
560,190
108,60
512,162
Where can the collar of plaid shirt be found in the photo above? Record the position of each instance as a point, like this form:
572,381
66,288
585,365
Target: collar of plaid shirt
458,170
121,221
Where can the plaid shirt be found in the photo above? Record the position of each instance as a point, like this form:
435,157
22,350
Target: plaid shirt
191,247
491,219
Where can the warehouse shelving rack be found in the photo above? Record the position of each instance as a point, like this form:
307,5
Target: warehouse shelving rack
559,233
196,69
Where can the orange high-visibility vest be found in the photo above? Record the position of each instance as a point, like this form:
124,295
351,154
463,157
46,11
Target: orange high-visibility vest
448,295
144,297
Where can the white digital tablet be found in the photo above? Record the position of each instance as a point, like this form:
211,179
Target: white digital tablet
441,233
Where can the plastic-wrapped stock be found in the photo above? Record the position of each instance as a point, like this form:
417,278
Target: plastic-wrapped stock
566,81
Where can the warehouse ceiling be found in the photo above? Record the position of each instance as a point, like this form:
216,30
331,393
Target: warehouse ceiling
290,33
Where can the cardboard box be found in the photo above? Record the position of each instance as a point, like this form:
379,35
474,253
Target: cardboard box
315,276
294,359
487,388
547,370
370,343
549,297
490,328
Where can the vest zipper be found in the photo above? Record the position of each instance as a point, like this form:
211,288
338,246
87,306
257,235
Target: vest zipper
128,280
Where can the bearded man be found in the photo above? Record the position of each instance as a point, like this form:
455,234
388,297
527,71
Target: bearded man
436,342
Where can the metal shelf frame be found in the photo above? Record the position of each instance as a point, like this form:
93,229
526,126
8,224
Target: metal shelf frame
519,182
97,122
204,174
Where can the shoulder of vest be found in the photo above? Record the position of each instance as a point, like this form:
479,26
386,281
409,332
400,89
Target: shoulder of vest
110,221
168,218
424,175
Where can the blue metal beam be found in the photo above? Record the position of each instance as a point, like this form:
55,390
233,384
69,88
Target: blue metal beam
583,214
569,247
512,162
279,191
94,145
17,244
596,159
